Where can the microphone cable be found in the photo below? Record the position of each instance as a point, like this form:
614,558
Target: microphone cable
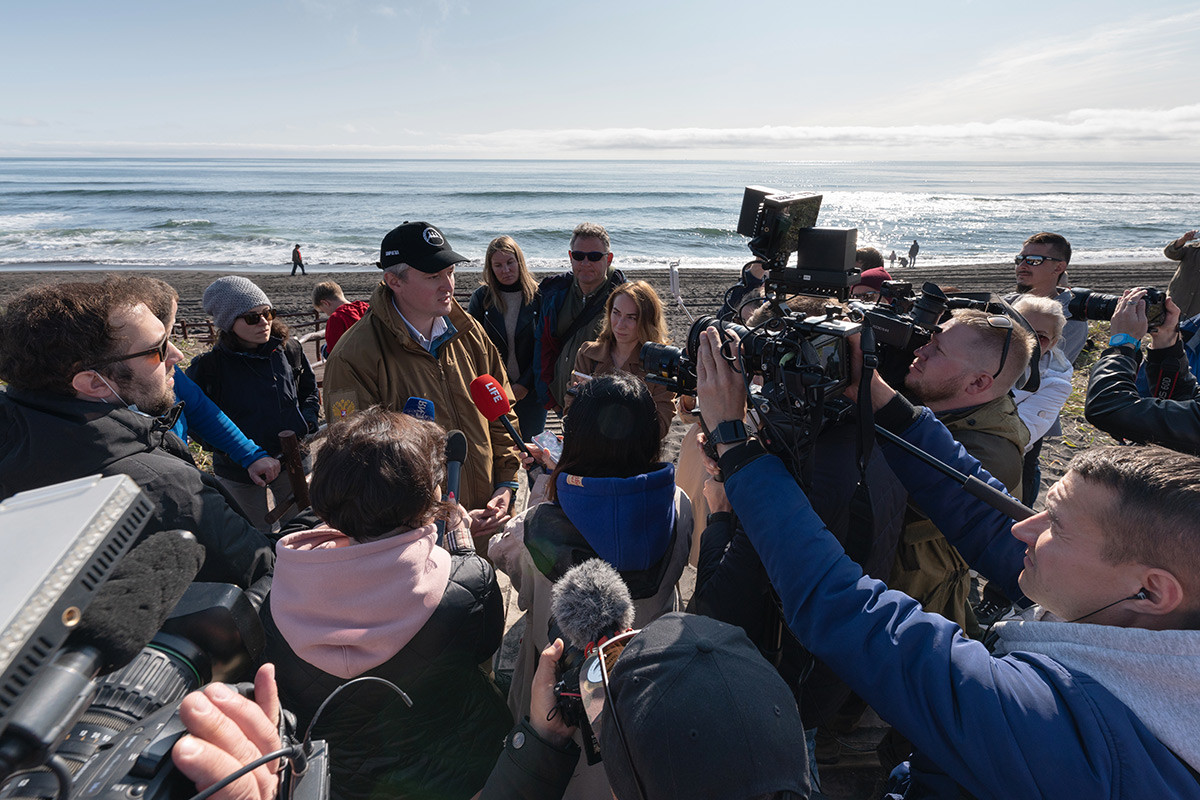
297,753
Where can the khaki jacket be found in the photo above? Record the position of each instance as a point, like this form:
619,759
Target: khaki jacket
377,362
927,567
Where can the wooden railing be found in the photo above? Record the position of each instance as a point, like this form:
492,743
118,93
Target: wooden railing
206,331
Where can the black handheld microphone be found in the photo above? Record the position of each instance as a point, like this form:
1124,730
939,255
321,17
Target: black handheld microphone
456,455
125,614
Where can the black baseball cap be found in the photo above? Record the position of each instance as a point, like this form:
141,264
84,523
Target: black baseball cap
420,245
704,714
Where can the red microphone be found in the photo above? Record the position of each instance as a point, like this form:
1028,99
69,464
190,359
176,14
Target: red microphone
488,396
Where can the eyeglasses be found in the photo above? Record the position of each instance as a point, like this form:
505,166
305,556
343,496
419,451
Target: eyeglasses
594,255
252,317
1034,261
159,350
593,686
1000,321
866,297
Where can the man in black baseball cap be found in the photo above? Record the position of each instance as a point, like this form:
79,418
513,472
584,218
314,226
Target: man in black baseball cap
416,341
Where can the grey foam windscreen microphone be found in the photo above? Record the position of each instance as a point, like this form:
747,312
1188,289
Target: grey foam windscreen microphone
591,602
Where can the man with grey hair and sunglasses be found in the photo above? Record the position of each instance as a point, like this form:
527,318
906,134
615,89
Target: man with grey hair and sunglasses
90,381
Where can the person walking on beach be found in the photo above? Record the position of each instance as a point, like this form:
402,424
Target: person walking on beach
297,261
892,260
912,253
1184,287
572,311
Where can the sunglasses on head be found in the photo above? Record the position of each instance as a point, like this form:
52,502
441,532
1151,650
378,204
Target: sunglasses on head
253,317
999,321
1034,261
159,350
593,255
593,689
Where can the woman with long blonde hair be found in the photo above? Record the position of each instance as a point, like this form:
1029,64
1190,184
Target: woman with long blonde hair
505,305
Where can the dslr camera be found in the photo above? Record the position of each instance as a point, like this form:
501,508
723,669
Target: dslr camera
1086,304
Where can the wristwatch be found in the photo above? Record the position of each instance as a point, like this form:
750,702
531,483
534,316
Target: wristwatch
1122,339
729,432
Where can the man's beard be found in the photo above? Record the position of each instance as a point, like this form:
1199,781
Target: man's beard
924,394
154,402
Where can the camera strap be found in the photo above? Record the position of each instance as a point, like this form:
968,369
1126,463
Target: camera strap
861,529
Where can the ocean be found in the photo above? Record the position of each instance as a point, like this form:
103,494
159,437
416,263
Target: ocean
213,214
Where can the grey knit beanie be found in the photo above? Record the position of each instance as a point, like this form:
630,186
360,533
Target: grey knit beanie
228,298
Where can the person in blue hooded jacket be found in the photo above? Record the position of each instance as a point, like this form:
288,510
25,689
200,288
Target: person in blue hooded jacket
1089,694
609,496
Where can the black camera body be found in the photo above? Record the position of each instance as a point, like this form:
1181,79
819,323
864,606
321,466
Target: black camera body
1086,304
121,745
902,322
568,697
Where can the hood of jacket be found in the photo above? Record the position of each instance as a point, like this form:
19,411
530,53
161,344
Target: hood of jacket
1154,673
627,521
47,438
346,607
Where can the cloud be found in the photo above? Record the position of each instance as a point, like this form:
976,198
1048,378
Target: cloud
1125,127
1114,63
1081,134
385,11
23,122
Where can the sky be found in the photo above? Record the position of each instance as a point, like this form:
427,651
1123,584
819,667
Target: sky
711,79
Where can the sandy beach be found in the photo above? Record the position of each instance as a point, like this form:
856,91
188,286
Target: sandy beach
702,291
701,288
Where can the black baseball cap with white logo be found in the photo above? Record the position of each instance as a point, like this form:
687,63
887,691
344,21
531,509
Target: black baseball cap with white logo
420,245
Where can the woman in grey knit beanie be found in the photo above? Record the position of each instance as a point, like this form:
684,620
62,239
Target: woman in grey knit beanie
259,376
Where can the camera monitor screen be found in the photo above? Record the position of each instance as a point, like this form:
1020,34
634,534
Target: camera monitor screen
61,542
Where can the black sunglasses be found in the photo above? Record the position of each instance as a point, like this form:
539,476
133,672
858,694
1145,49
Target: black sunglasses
252,317
999,321
594,255
159,350
1034,261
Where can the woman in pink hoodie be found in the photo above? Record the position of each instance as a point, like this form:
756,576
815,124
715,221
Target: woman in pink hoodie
370,593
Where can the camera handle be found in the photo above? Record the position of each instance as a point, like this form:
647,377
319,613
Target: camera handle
989,494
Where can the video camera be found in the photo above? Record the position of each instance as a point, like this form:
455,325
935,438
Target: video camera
803,359
96,596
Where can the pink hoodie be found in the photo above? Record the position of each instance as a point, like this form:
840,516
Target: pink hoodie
346,607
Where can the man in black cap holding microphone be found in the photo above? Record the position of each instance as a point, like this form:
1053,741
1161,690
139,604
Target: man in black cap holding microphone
416,341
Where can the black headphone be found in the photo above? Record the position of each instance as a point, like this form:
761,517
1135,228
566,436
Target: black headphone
1142,594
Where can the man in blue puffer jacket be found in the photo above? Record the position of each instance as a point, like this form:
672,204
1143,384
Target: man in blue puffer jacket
1103,707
